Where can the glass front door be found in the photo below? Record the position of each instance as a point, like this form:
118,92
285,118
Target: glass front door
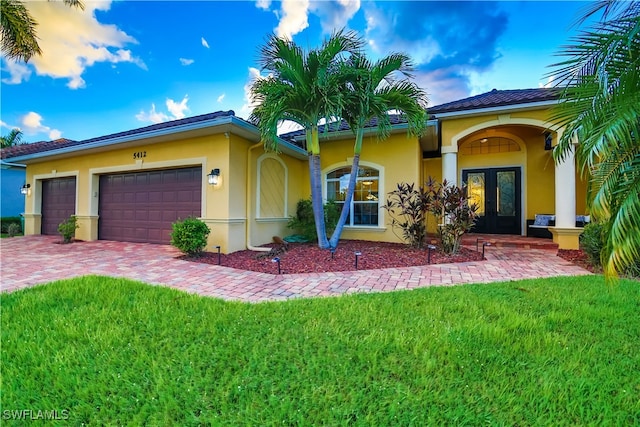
497,194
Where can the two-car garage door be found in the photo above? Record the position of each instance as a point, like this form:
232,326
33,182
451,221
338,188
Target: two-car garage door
141,206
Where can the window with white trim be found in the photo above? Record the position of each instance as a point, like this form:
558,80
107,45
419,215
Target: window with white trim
365,206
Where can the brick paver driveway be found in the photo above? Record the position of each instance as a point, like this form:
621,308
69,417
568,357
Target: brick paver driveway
31,260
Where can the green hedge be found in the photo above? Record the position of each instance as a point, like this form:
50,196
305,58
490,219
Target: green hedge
6,221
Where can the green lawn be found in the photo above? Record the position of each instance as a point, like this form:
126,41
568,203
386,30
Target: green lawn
562,351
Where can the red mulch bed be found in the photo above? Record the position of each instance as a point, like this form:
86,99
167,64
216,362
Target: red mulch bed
309,258
577,257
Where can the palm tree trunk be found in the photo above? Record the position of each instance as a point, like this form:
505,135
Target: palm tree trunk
316,200
335,237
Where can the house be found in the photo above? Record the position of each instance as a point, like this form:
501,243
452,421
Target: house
132,185
12,178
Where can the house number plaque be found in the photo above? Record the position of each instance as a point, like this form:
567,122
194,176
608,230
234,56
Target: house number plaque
139,155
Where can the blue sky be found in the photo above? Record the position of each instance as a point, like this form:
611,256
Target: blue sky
122,65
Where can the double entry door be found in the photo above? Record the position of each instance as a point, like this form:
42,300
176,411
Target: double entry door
497,193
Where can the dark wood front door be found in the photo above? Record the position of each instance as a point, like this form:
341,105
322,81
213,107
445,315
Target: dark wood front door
497,193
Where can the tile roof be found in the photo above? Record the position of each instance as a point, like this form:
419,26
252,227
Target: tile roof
494,98
395,119
42,146
497,98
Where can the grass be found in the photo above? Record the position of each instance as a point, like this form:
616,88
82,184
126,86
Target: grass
561,351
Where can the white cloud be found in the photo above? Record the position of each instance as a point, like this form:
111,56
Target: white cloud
249,102
336,14
204,43
263,4
221,97
152,116
293,15
294,18
185,61
18,71
55,134
73,40
176,110
32,124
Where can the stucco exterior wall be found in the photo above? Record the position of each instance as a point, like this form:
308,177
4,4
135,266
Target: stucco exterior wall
399,160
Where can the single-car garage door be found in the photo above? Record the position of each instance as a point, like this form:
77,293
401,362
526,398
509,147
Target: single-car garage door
141,206
58,203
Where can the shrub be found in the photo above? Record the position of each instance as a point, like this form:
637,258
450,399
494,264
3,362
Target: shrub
407,207
450,205
67,229
13,229
592,243
304,222
6,221
190,236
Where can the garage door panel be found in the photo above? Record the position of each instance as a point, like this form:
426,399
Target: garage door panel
58,203
141,206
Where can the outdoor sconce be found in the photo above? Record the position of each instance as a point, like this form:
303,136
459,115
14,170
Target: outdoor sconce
430,247
25,190
547,141
214,176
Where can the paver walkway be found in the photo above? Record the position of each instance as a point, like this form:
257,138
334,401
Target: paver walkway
31,260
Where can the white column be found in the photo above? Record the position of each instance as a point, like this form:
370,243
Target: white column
450,168
566,191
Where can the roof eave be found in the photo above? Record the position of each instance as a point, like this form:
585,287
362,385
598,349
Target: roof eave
342,134
493,110
216,126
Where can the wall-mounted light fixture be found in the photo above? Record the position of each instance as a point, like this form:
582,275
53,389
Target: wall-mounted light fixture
547,141
26,190
214,176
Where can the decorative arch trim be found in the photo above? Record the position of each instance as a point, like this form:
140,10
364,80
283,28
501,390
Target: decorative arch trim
285,188
500,121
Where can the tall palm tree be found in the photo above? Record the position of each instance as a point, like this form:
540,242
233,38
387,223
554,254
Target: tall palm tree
18,28
304,88
12,138
600,107
372,91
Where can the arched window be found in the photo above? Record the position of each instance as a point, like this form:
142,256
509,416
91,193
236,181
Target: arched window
365,206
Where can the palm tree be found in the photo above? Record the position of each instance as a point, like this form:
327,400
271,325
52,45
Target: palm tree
371,93
12,138
304,88
19,38
600,107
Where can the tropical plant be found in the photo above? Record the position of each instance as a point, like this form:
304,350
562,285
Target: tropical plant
455,216
13,230
305,88
407,207
190,236
599,108
12,138
19,38
67,228
304,222
372,91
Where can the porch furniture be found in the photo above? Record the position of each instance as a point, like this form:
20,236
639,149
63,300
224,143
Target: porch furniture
539,227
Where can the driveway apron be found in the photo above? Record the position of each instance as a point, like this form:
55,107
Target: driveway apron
32,260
